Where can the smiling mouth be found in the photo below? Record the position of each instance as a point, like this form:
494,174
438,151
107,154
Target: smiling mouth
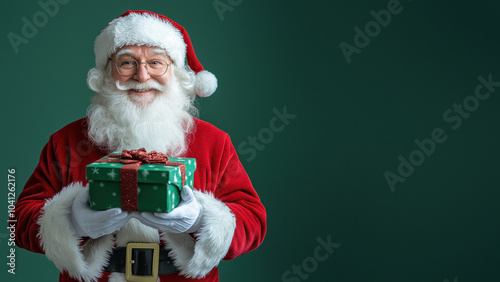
141,90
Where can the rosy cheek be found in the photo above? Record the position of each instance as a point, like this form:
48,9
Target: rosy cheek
164,79
115,76
118,77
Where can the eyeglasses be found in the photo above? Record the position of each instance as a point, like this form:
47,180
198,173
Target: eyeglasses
128,67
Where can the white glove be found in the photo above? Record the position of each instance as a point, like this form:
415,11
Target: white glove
92,223
184,218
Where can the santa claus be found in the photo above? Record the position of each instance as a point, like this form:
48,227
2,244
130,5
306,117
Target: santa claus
144,98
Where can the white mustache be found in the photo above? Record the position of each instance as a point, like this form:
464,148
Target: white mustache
148,85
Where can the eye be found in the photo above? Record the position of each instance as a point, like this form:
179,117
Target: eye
157,62
127,64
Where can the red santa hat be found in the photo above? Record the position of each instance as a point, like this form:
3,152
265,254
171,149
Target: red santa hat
151,29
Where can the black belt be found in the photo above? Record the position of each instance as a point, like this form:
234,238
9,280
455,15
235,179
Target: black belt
142,260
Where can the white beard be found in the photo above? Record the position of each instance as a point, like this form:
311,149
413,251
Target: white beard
118,121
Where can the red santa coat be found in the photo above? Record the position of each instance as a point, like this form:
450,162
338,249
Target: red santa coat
233,220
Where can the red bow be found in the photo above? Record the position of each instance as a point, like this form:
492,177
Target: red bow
142,156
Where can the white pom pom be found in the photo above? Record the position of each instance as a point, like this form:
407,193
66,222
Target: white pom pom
206,84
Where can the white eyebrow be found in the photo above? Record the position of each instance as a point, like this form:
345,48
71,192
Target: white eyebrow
124,52
160,51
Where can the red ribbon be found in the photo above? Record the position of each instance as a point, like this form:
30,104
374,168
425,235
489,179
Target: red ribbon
131,161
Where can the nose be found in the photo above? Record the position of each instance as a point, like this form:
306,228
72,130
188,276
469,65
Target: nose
142,74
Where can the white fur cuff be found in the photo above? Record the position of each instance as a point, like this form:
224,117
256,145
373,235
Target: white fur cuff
62,246
197,258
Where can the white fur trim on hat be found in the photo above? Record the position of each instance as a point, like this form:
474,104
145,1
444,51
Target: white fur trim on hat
139,29
197,257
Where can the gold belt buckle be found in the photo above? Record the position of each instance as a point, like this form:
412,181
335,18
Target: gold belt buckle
129,262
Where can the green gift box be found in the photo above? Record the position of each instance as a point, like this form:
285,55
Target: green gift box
157,188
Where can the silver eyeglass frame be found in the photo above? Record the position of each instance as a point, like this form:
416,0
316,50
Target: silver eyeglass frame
137,67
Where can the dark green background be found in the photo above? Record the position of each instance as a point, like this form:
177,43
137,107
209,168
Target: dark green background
323,174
